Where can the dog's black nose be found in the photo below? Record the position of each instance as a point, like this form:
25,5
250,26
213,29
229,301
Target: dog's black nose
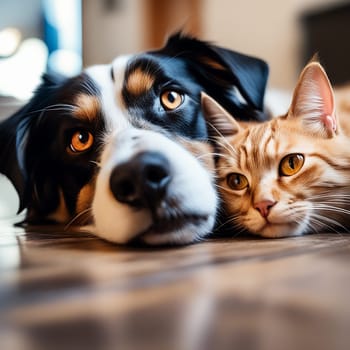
142,181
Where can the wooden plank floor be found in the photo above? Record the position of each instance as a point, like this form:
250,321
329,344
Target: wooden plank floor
66,290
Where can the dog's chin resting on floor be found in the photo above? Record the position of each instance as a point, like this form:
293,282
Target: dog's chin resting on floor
122,149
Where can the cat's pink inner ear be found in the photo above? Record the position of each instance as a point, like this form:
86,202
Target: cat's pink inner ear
330,122
327,96
313,99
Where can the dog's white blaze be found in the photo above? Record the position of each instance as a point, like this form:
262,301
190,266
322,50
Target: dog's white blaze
110,92
115,221
118,67
191,186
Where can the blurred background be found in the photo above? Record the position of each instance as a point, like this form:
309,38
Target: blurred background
66,35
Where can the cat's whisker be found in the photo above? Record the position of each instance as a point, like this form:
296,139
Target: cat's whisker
241,229
317,225
231,151
220,187
297,218
212,154
326,207
327,222
334,195
331,196
315,222
233,219
214,128
222,141
319,206
236,226
335,202
311,227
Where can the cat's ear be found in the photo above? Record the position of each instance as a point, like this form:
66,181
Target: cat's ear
313,101
220,122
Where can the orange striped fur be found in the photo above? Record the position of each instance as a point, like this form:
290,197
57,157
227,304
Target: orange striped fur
280,199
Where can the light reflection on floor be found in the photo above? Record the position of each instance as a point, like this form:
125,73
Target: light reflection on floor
8,199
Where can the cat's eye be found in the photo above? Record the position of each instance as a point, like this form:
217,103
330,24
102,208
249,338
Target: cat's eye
237,181
81,141
291,164
171,100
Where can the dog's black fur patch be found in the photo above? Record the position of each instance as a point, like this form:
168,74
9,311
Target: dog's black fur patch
34,141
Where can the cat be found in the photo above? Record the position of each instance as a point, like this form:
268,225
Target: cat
290,175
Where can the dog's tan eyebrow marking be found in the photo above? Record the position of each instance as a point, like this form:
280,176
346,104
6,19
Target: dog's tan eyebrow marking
212,63
88,107
139,82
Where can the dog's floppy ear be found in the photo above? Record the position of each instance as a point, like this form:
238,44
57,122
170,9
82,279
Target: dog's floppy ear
223,67
14,138
249,73
12,145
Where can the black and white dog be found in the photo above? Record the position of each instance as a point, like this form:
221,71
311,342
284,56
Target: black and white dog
122,148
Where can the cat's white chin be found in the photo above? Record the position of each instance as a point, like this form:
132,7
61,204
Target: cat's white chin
270,230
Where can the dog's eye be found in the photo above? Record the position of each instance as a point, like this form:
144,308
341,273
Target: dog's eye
171,100
81,141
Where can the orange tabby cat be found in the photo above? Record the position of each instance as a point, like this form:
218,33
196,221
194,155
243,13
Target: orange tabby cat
290,175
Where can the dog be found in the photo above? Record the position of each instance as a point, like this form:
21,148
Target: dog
122,149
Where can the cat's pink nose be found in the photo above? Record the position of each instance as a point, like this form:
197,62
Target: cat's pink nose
264,207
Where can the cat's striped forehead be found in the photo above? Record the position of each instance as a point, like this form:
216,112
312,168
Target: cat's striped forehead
256,146
261,146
